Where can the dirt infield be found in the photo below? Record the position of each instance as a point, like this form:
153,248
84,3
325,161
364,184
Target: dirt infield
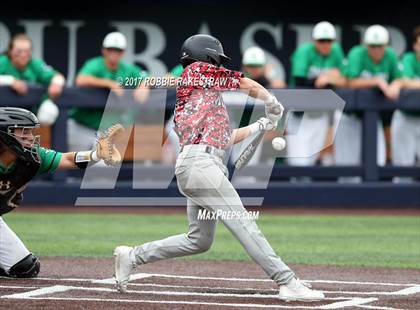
86,283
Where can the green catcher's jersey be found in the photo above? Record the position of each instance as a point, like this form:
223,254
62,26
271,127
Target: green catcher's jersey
91,117
36,71
14,178
49,162
308,63
360,65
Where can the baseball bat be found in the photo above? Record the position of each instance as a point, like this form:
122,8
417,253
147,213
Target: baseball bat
249,151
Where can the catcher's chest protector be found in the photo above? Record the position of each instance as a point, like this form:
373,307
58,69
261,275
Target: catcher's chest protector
10,182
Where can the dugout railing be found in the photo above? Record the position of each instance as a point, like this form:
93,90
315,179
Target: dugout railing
377,188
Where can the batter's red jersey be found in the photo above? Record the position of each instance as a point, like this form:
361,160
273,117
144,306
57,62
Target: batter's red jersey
200,113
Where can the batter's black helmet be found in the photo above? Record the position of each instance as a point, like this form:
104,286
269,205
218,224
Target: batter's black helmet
11,119
202,47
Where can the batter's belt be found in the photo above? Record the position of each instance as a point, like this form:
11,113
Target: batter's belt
204,148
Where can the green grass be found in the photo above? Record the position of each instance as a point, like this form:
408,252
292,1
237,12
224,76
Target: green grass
388,241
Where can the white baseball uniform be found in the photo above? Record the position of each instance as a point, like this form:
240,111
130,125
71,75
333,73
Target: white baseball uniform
348,141
12,249
405,126
306,137
405,140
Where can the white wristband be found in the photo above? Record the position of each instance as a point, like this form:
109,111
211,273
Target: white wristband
95,157
83,158
6,80
254,128
58,80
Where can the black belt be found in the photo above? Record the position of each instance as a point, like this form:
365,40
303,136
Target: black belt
208,149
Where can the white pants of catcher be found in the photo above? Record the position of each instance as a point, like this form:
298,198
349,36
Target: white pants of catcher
202,179
12,249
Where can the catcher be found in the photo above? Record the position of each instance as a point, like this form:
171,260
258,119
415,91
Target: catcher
22,158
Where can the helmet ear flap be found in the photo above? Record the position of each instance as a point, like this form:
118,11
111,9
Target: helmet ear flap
186,62
213,61
3,147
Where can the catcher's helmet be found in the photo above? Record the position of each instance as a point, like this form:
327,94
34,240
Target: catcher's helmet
202,47
17,118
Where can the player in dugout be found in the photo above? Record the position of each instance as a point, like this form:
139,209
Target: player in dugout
19,69
107,71
405,125
317,64
373,65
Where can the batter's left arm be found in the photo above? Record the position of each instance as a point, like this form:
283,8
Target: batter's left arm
239,134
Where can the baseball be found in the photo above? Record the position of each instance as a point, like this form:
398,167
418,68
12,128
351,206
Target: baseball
278,143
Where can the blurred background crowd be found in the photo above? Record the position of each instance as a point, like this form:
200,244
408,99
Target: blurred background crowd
318,63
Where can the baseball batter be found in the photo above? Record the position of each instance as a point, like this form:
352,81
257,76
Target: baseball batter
202,123
405,125
21,158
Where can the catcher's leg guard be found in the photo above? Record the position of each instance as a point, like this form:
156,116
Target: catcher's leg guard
27,268
3,273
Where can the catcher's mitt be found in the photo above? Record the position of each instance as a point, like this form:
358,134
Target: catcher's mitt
105,145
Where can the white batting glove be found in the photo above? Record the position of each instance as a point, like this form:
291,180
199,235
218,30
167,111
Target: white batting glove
274,110
263,124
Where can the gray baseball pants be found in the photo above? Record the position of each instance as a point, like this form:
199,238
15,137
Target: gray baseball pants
202,179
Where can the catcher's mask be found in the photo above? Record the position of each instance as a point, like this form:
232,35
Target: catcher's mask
203,47
16,132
